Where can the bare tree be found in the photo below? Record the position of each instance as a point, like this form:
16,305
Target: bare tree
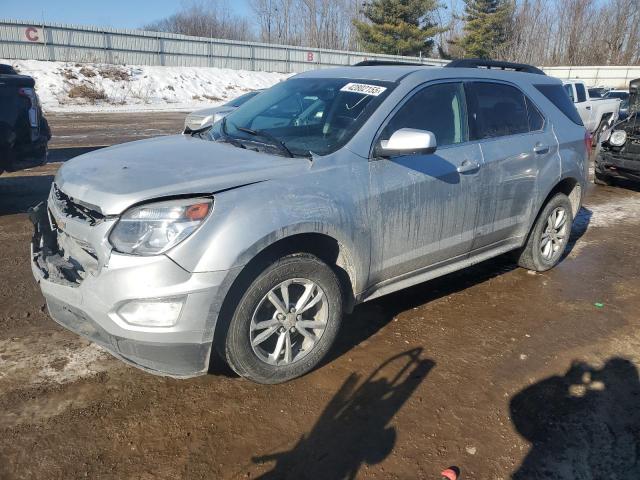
205,19
574,32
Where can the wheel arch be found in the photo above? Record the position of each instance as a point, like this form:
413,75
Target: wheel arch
324,246
569,186
572,188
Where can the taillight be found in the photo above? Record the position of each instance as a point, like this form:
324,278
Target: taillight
29,93
588,142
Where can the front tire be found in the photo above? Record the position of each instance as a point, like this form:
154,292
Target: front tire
549,236
286,321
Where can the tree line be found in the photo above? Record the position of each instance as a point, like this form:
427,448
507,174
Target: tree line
540,32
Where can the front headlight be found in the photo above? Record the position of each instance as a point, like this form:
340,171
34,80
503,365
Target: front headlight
156,227
618,138
197,122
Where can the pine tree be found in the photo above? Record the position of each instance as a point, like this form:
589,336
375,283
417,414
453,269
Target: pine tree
398,27
486,26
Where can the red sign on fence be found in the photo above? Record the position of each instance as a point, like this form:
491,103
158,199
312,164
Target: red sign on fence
310,57
34,34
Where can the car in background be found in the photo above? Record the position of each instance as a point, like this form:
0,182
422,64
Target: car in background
598,114
619,157
623,95
596,92
619,94
202,119
24,131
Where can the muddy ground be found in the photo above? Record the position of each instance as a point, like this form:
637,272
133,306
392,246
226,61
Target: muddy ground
498,371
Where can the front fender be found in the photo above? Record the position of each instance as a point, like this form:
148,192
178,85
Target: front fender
247,220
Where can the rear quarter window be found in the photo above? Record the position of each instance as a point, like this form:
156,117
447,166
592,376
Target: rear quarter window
557,95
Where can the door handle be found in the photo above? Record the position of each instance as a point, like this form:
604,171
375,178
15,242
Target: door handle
541,149
588,108
468,166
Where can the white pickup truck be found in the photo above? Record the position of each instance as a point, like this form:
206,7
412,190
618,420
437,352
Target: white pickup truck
598,114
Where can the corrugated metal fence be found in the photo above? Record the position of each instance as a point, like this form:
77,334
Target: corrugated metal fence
22,40
609,76
73,43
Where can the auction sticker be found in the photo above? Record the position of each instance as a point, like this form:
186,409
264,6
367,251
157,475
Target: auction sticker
363,88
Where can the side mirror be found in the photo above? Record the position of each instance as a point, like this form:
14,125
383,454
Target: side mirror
407,141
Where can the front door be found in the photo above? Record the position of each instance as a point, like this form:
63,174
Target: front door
423,207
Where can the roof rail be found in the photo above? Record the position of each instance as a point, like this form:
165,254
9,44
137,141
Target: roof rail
379,63
493,64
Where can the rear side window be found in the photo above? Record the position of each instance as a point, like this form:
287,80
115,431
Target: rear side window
536,120
439,109
496,110
557,95
582,95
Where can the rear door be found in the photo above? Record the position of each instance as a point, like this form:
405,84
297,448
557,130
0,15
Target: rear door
515,141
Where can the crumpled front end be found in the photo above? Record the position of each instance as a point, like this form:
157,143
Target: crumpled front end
621,161
87,287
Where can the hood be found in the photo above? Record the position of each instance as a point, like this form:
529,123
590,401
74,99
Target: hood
112,179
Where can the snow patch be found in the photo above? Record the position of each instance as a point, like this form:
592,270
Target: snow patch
80,363
48,359
92,87
614,211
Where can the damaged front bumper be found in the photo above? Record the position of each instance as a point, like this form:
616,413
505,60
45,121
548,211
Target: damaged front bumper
618,165
84,290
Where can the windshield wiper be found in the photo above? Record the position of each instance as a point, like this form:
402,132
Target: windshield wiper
266,135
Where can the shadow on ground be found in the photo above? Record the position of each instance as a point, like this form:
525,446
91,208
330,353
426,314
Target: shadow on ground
355,427
583,425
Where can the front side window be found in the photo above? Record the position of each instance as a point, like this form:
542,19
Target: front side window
439,109
304,115
496,110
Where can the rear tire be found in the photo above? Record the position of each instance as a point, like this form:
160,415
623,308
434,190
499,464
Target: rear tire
267,340
549,236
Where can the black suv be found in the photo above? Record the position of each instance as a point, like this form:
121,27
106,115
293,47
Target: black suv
24,132
619,157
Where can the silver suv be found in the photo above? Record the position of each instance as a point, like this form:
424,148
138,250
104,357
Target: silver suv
327,190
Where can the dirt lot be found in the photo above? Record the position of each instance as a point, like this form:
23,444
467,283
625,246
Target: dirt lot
498,371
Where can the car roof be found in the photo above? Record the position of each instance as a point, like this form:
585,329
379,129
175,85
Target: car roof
396,73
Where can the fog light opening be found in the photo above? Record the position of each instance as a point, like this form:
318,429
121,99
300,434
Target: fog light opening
156,312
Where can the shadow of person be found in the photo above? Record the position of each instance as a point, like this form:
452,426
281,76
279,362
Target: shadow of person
583,425
354,427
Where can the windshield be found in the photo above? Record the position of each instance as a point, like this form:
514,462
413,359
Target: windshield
304,115
242,99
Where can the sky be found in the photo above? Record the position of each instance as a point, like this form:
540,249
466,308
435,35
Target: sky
106,13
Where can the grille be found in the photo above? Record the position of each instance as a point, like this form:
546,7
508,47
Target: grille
70,208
